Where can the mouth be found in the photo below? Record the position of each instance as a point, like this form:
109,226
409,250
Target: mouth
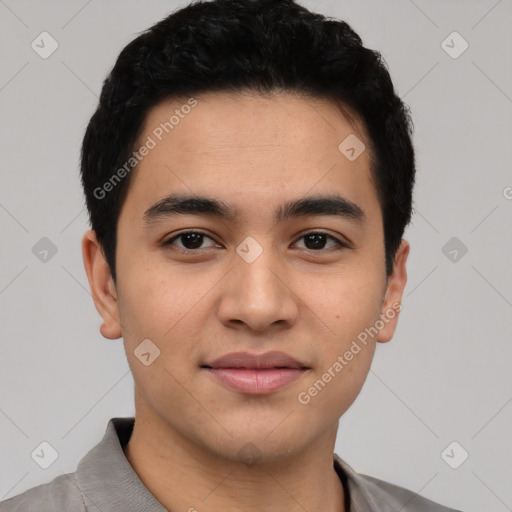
255,374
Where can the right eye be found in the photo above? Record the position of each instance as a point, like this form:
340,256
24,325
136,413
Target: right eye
190,240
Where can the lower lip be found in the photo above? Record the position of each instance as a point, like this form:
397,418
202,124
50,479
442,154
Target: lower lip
256,382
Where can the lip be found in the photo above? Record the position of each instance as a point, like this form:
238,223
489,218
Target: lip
256,374
272,359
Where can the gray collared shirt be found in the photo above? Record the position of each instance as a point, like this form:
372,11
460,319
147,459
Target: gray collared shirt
104,481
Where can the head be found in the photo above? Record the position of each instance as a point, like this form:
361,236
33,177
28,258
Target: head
249,114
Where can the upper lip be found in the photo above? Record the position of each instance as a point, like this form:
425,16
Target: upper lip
273,359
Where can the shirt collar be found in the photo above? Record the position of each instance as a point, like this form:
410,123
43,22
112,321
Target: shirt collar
108,482
106,478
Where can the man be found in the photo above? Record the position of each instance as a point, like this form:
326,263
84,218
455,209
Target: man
249,175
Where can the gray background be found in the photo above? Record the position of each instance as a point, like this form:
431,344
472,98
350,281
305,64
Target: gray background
446,374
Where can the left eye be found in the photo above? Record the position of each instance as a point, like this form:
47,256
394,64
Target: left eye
320,239
192,240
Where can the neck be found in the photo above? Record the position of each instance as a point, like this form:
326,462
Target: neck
184,476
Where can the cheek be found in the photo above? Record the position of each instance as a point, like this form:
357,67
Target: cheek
349,307
156,298
347,302
333,388
170,308
166,309
347,384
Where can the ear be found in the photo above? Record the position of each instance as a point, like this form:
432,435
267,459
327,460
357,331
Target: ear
102,286
391,305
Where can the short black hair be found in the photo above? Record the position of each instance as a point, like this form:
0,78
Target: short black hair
260,46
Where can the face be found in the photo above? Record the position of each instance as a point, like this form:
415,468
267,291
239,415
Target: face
294,264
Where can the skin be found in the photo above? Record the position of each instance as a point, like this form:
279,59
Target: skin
254,153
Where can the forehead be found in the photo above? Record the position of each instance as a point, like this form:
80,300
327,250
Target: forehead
245,147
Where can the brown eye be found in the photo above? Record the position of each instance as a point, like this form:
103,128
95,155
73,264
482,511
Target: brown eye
190,240
316,241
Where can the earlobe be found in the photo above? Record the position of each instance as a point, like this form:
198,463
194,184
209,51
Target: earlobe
391,306
102,286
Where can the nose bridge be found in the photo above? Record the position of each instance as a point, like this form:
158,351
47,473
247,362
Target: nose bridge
257,270
259,276
257,293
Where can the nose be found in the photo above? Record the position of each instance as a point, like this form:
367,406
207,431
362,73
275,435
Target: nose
259,296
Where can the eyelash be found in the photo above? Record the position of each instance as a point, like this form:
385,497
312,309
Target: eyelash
339,244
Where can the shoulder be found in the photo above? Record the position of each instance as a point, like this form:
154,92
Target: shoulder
406,500
61,494
371,494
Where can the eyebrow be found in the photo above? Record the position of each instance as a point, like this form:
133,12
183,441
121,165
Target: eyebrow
332,204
